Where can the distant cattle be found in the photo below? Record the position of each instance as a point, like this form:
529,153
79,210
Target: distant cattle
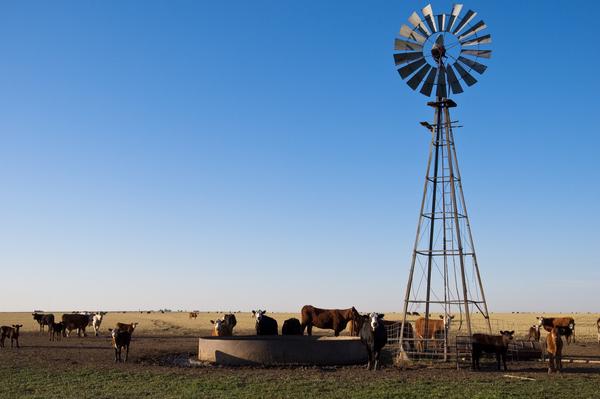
57,330
332,319
120,339
291,327
193,315
534,333
373,335
431,330
554,350
97,321
265,325
43,319
495,344
566,326
223,327
11,332
130,328
76,321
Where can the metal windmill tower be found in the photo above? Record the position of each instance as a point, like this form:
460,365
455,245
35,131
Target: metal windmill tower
437,56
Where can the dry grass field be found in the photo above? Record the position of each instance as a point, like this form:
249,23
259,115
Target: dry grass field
158,367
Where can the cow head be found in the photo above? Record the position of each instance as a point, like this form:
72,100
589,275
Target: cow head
540,321
354,315
230,320
507,336
219,327
258,314
375,319
447,320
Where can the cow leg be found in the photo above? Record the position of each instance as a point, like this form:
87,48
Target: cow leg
369,357
504,360
309,329
558,362
116,355
84,334
17,341
377,365
126,352
550,363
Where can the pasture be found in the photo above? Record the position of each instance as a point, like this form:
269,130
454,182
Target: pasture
162,344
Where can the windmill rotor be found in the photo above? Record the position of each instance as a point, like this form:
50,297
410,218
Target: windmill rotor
441,53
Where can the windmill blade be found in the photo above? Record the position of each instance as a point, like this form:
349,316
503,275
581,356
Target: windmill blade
407,69
428,85
466,19
400,44
453,80
411,34
454,15
441,20
415,20
480,40
473,29
466,76
403,58
478,53
441,83
416,79
429,17
476,66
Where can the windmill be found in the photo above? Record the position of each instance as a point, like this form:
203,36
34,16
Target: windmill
438,55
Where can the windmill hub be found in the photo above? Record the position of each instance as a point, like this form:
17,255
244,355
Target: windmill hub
438,52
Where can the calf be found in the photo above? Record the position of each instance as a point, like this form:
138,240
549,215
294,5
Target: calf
554,349
57,330
373,335
120,339
10,332
534,333
265,325
291,327
431,329
130,328
497,344
97,321
566,326
224,326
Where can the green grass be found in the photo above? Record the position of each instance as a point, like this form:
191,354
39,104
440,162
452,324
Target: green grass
33,382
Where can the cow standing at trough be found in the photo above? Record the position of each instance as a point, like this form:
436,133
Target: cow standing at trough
430,329
566,326
291,327
534,333
373,335
332,319
224,327
554,350
11,332
265,325
494,344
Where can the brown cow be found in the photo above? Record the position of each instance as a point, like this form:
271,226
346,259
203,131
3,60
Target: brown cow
224,326
76,321
497,344
554,349
193,315
10,332
332,319
566,326
431,330
127,327
534,333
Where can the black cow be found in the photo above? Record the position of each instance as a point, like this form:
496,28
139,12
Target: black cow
265,325
497,344
291,327
373,335
43,319
120,339
75,321
57,331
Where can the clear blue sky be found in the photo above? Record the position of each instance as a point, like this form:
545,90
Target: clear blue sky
231,155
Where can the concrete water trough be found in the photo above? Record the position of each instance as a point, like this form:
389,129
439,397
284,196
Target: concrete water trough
282,350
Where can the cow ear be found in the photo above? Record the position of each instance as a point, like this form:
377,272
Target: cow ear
501,332
511,332
212,322
380,315
441,317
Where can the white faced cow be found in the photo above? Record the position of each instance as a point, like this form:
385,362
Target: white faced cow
97,321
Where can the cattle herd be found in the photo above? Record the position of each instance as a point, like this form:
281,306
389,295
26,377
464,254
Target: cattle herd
371,329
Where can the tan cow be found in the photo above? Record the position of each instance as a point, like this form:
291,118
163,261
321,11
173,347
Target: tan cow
554,349
223,327
431,330
566,326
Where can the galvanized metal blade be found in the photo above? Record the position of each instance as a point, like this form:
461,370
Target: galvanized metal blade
441,20
407,69
403,58
429,17
466,76
400,44
415,20
463,22
411,34
453,80
473,29
428,85
454,15
476,66
441,83
479,40
417,78
478,53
